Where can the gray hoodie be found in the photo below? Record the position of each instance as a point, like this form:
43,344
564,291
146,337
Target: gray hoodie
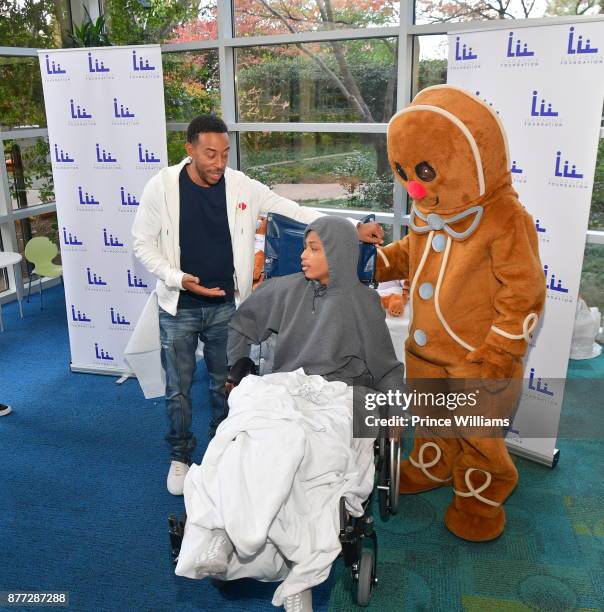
338,331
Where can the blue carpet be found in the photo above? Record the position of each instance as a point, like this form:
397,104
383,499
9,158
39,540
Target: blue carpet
83,501
83,504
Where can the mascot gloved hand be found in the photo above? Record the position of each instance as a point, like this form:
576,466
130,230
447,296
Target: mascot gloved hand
477,290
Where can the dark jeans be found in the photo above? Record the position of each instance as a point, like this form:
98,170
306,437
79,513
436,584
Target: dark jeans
179,337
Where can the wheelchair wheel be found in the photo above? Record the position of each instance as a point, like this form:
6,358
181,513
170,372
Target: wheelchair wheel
366,577
394,475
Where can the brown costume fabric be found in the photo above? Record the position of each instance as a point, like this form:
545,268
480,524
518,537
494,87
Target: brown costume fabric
492,277
258,275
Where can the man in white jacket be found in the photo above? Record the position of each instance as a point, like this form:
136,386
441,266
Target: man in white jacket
194,230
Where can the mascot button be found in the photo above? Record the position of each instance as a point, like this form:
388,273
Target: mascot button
438,243
419,335
426,291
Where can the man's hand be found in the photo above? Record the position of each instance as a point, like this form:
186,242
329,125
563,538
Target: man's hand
191,283
371,233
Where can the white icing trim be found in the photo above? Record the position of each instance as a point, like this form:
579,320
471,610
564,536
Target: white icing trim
489,108
472,492
383,256
456,121
423,466
528,327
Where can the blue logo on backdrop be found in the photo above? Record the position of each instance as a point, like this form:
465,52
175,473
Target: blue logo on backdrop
142,68
86,199
463,52
70,240
52,67
93,279
121,112
565,172
103,157
95,66
62,157
117,319
543,113
101,354
542,233
539,110
111,240
578,46
537,384
579,50
134,281
127,198
146,158
518,54
80,319
551,283
78,112
567,175
518,173
139,64
516,50
465,57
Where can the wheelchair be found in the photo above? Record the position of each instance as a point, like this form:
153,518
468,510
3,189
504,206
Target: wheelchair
283,246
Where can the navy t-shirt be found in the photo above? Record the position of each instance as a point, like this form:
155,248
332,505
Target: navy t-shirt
205,241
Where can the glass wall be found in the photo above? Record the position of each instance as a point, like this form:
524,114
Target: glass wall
191,84
332,170
264,17
351,80
347,73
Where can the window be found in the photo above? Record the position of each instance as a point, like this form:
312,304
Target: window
262,17
191,84
429,61
131,22
339,81
29,172
332,170
21,97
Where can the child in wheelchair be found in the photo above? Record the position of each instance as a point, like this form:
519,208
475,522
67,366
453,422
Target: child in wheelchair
265,502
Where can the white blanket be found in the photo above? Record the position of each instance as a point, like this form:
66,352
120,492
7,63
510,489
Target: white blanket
273,477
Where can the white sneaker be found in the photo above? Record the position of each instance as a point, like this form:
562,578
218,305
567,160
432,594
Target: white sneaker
300,602
214,560
4,410
176,477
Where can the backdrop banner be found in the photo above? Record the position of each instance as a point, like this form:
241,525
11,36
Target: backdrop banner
547,85
107,136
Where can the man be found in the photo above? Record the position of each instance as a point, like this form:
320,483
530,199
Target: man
194,230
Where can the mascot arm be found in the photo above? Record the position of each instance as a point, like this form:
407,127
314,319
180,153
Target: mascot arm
520,297
393,261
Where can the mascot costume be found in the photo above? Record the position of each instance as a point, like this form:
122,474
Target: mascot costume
477,288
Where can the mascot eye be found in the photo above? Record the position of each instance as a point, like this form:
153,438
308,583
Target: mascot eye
425,172
401,172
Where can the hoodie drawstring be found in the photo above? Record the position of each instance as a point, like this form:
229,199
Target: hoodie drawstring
319,291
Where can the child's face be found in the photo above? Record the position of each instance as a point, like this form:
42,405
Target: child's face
314,260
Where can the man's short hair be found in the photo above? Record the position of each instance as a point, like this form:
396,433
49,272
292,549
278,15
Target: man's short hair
204,124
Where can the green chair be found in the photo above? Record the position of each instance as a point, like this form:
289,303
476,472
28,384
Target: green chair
40,251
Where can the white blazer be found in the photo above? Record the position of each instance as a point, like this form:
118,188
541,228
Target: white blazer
156,228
